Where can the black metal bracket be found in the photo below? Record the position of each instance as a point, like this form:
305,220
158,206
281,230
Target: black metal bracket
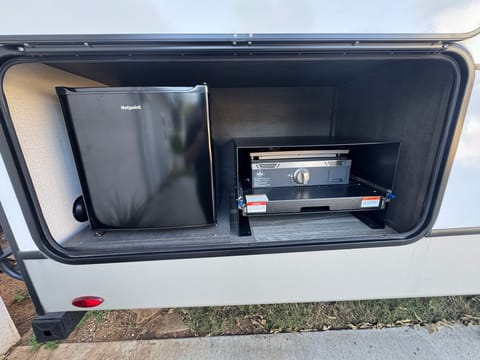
6,265
239,224
243,225
373,219
55,325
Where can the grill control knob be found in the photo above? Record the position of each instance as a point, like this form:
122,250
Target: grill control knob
301,176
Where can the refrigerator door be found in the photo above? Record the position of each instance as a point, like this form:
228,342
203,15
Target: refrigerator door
143,155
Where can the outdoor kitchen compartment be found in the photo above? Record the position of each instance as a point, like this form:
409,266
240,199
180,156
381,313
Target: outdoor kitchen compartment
403,101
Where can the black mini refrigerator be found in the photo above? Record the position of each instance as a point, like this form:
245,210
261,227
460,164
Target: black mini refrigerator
143,155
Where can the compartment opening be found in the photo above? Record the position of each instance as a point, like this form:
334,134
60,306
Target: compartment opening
402,100
291,175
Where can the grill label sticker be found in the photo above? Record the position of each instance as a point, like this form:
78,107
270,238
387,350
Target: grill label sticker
256,203
370,201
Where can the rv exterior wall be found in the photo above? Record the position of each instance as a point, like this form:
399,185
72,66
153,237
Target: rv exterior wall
429,267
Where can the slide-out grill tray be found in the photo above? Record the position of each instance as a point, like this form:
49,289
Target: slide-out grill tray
352,197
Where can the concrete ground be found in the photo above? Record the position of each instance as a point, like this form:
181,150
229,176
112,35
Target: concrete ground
8,333
460,342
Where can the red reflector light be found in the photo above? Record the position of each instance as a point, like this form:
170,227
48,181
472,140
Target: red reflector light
87,301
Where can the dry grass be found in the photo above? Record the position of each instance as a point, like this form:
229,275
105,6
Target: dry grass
334,315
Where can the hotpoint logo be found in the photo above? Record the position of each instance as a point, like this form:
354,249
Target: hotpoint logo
130,107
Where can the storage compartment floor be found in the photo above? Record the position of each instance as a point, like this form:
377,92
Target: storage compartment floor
311,227
151,240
